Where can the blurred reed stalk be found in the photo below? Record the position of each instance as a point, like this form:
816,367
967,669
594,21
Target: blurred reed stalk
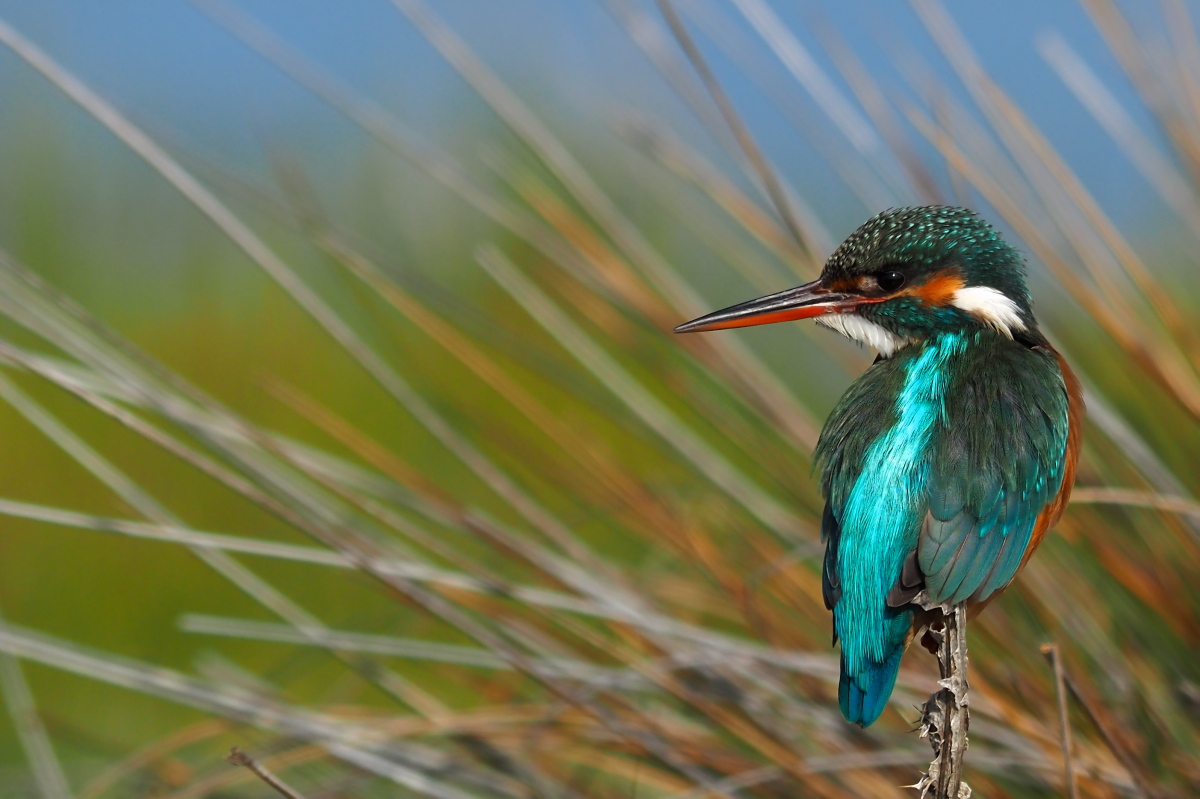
613,589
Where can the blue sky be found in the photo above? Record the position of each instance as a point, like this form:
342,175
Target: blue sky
174,70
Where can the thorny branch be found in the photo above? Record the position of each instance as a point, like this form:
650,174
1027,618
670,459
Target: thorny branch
945,716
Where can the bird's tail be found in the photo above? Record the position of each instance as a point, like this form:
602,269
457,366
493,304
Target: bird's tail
865,686
864,696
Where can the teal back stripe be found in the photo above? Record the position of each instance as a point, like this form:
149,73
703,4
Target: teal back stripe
882,515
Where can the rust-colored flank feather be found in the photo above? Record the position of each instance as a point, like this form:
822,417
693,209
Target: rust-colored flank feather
1075,410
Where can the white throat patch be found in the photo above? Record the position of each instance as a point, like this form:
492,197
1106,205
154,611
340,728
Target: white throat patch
863,331
991,307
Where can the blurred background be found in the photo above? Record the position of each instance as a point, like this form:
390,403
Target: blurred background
341,420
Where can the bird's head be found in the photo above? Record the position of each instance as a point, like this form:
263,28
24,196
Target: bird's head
906,275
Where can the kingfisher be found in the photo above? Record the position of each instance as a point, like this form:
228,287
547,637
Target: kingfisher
946,462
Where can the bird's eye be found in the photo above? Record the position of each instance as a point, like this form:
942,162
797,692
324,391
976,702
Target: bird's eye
890,280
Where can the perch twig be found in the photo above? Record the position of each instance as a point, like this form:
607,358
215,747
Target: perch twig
945,716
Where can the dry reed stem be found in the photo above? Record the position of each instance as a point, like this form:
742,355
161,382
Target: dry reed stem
851,123
1133,57
225,779
1112,732
239,758
741,133
1133,498
627,388
1064,722
738,359
156,751
760,390
31,731
663,147
644,29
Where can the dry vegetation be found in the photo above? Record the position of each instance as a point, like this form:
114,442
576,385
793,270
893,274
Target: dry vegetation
606,582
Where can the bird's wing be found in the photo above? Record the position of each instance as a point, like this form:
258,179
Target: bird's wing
831,583
864,413
996,475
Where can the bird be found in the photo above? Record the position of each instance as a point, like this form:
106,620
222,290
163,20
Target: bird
946,462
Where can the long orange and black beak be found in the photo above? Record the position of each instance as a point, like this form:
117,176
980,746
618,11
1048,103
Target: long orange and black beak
802,302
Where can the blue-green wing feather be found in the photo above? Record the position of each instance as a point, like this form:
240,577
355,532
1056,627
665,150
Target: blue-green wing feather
874,472
831,582
997,462
935,466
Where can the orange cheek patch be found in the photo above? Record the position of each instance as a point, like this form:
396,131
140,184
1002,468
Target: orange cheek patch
939,289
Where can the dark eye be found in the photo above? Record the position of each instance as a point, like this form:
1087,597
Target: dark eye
890,280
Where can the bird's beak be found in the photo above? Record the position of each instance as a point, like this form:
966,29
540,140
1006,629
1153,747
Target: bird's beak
802,302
